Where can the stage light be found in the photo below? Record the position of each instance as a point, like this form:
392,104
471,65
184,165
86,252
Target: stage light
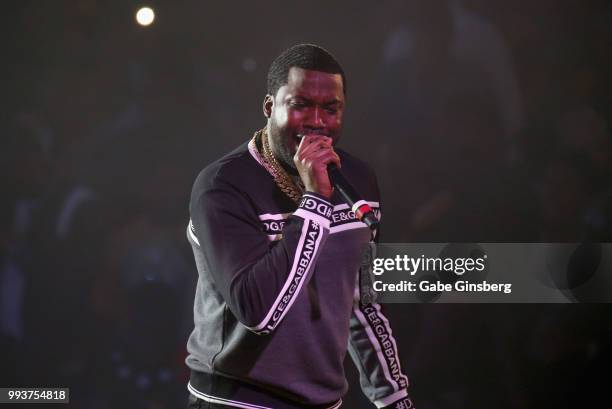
145,16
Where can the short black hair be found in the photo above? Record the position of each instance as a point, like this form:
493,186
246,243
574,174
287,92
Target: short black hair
305,56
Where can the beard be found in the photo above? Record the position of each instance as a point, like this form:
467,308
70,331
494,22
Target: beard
283,144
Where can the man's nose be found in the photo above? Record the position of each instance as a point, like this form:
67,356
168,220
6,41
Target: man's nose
315,119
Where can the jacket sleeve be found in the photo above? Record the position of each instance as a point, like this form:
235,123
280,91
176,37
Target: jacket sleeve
259,279
373,349
374,352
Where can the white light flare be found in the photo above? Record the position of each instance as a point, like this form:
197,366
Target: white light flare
145,16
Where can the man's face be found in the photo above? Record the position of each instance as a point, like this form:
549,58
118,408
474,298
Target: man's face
312,102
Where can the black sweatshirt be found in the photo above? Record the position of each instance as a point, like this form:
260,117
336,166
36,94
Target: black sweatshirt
277,299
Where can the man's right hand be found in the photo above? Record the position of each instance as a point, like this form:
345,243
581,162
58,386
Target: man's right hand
313,155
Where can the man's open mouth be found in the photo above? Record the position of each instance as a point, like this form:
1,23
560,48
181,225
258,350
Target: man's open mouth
300,135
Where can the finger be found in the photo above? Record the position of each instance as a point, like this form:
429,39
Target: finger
314,147
313,138
322,158
305,142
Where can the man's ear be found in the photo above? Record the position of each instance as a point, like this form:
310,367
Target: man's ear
268,103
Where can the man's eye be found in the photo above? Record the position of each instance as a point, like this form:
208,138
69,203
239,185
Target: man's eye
298,105
331,110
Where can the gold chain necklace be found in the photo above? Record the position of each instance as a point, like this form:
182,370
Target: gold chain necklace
282,179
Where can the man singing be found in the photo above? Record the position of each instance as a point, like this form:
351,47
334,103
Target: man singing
278,252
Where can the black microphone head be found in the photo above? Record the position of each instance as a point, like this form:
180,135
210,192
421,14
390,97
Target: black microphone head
370,220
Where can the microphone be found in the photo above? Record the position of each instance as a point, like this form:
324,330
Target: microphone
361,208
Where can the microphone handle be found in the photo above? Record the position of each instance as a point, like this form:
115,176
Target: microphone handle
360,207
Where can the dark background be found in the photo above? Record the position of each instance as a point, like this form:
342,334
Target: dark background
485,121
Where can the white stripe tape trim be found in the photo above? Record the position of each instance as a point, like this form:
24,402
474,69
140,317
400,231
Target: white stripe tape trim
392,338
358,204
276,216
237,404
387,400
288,281
344,206
308,215
375,345
317,198
283,216
304,277
193,236
228,402
337,405
347,226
